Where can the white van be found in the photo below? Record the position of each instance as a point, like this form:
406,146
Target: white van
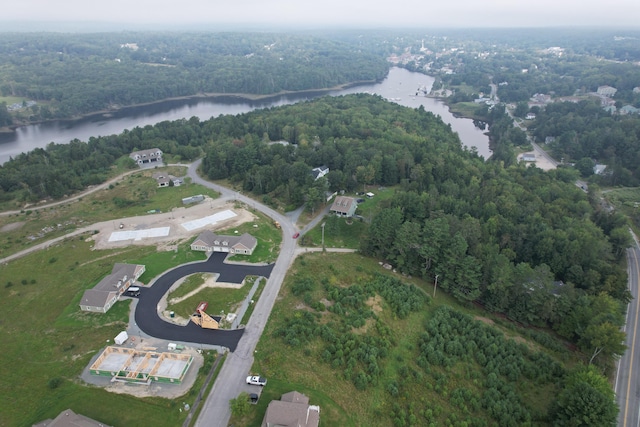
133,291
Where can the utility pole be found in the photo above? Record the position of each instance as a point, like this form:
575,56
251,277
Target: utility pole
435,286
323,249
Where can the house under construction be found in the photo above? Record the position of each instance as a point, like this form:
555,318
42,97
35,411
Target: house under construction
141,367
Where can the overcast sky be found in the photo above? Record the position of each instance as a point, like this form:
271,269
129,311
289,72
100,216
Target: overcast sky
320,13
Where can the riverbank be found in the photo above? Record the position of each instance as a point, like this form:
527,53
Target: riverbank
205,96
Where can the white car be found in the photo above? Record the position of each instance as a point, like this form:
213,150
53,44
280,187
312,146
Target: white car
256,380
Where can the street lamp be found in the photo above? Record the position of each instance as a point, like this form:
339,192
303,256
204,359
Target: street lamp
435,286
323,236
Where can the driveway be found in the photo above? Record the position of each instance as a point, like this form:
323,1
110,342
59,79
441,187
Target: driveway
149,321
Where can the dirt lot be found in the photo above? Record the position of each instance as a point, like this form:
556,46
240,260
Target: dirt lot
173,220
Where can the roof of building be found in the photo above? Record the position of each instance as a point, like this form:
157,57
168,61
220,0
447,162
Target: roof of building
209,238
293,410
106,289
319,171
147,152
68,418
342,204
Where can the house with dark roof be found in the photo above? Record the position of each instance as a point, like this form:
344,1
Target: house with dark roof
141,157
208,241
292,410
68,418
319,172
103,295
344,206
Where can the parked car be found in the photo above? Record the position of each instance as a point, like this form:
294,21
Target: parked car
133,291
295,236
256,380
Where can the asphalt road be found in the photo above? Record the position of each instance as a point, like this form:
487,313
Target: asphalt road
230,381
149,321
627,387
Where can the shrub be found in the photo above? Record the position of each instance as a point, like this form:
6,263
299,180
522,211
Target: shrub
54,383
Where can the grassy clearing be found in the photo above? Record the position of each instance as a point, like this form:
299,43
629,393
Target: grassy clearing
338,233
221,300
268,236
466,109
302,369
135,195
44,332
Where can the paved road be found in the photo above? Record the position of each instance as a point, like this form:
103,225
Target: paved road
627,387
230,381
149,321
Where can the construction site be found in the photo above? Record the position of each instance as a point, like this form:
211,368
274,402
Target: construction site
140,366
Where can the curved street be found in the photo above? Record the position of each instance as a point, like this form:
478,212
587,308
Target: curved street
149,321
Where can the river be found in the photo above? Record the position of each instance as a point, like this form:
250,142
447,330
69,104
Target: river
399,86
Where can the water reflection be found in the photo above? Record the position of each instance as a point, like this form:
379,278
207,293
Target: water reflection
400,86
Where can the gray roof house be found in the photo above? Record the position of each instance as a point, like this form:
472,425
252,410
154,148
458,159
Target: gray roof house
319,172
147,156
208,241
292,410
344,206
103,295
68,418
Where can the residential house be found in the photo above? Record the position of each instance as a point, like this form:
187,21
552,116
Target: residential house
166,180
68,418
606,91
319,172
599,169
344,206
528,157
629,109
208,241
153,155
103,295
292,410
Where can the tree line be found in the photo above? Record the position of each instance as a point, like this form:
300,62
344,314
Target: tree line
73,74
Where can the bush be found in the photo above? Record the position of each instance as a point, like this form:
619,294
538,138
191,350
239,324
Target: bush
240,406
54,383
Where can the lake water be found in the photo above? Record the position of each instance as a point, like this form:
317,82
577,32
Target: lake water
400,86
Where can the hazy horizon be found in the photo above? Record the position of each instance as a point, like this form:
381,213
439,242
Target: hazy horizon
30,15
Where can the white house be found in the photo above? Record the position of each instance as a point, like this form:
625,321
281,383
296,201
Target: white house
319,172
152,155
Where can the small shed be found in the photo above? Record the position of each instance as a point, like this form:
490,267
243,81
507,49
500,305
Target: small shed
121,338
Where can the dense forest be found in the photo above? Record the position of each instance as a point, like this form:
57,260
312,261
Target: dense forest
72,74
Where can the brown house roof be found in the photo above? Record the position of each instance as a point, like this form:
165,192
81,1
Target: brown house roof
68,418
293,410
